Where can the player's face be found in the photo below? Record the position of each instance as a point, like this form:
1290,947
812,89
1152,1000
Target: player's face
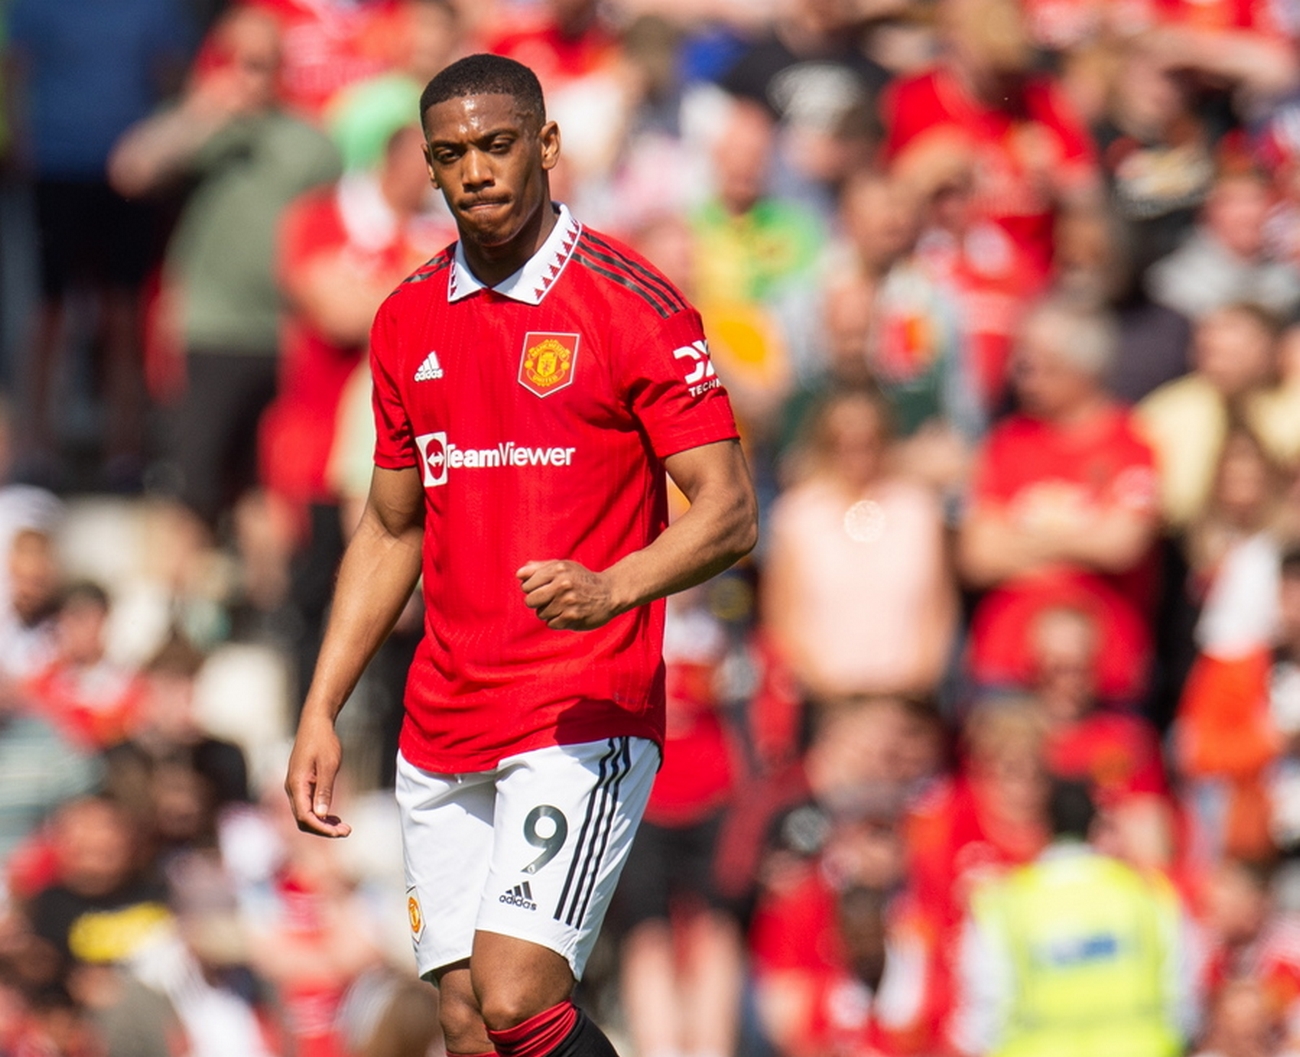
490,162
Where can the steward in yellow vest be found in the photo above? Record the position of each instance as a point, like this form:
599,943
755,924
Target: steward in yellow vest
1075,955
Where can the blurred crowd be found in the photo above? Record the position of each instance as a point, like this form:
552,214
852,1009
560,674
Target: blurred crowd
992,747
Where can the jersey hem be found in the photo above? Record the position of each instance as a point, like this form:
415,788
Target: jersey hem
394,463
443,763
695,439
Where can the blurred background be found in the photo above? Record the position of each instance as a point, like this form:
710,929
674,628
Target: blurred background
992,746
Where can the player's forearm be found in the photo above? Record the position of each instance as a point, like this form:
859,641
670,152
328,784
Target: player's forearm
378,573
716,531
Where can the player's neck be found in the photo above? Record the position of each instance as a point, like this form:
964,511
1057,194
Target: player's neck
492,264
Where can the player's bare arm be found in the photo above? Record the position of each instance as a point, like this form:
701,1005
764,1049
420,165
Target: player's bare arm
379,570
719,528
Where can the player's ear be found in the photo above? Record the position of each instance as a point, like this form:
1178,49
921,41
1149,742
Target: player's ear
549,138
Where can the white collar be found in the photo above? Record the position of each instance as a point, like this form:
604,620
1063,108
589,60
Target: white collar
530,283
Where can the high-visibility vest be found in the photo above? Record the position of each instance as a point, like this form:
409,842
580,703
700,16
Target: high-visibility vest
1089,940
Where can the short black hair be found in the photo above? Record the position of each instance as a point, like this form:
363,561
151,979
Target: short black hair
486,74
1071,808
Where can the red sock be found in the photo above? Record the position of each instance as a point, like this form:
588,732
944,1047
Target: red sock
538,1035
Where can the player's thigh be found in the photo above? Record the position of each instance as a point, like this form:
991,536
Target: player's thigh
447,850
565,820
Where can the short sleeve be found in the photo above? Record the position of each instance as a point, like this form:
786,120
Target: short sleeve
668,382
394,443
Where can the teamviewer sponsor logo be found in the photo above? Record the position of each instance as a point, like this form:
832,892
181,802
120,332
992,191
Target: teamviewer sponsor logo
520,896
438,455
433,458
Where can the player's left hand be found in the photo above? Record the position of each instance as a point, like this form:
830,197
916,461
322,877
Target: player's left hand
567,595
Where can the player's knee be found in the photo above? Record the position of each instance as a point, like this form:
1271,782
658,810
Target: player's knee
505,1007
515,981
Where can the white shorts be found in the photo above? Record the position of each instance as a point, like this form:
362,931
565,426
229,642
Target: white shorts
532,849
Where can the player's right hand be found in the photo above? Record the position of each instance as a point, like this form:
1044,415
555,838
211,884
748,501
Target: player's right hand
313,768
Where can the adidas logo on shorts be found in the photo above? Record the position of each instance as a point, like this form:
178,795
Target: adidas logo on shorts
429,369
519,896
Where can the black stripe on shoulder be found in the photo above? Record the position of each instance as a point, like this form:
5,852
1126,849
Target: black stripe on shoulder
638,288
429,268
619,264
654,279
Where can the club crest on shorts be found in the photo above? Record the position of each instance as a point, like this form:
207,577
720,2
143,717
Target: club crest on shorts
548,362
414,913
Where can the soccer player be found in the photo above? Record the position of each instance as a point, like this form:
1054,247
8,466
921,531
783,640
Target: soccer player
532,383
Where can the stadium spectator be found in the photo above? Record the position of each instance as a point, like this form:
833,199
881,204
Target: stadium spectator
1251,937
858,596
1116,753
1236,718
101,905
1076,952
1235,550
984,111
1243,1021
1234,355
91,698
987,816
1224,260
1095,264
840,967
249,160
174,776
343,249
847,316
916,347
40,769
867,758
27,644
306,942
754,265
94,242
192,986
1063,509
813,72
1157,154
330,44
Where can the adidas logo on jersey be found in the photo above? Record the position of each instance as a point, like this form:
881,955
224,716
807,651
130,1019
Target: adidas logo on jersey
429,369
519,896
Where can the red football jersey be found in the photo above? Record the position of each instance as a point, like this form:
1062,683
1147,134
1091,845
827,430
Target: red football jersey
538,413
1031,469
1014,148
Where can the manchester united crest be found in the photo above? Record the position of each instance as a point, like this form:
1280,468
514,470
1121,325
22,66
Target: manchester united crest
548,362
414,913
